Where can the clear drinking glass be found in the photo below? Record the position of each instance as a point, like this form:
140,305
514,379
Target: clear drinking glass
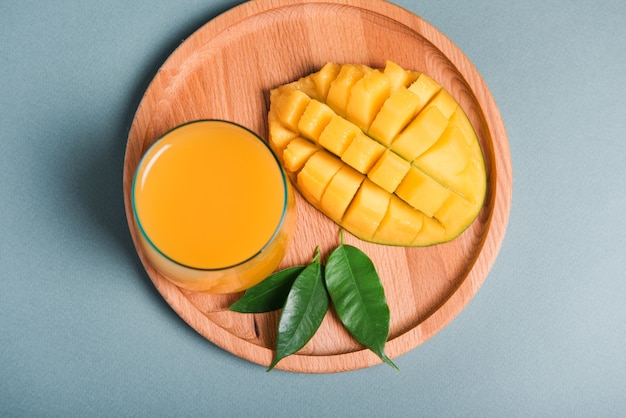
213,208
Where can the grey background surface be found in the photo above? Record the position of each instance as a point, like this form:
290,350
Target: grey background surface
84,333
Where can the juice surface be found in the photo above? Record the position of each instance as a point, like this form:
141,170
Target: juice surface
209,199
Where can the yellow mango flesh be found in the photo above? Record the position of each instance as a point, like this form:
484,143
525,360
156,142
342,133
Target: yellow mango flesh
389,170
432,232
367,210
297,153
366,98
425,88
421,133
340,192
362,153
281,136
396,113
314,119
401,223
339,90
337,135
323,78
316,174
387,154
398,76
422,191
290,105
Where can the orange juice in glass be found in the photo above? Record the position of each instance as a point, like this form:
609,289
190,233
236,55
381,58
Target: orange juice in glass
213,207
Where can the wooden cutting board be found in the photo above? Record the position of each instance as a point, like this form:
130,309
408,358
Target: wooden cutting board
226,69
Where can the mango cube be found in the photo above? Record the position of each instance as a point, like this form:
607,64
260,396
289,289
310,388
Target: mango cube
432,232
362,153
421,134
398,76
314,119
389,171
307,86
367,209
281,136
316,174
425,88
396,113
323,78
422,192
366,98
337,135
455,212
340,192
290,106
339,91
297,153
400,224
445,103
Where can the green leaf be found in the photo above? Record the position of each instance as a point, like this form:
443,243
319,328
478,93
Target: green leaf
359,298
303,312
270,294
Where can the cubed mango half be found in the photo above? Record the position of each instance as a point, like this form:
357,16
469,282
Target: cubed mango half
388,154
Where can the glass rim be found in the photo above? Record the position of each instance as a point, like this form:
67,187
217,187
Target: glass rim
271,239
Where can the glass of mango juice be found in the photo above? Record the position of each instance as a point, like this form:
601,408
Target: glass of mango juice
213,207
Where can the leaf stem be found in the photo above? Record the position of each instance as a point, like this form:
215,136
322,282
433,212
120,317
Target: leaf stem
316,255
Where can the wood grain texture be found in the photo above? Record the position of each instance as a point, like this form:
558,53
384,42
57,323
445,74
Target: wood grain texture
226,69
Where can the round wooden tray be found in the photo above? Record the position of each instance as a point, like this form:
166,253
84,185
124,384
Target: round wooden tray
226,69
